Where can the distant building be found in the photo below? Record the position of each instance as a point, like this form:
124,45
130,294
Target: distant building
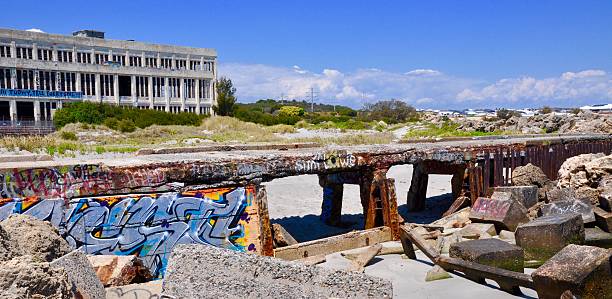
39,72
600,108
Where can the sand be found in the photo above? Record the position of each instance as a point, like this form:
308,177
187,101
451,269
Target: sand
295,203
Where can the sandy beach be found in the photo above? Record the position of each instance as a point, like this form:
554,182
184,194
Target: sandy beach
295,203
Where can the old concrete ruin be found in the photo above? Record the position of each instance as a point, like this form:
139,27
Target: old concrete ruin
146,204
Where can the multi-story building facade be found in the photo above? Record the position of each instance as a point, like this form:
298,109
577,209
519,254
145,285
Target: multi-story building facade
39,72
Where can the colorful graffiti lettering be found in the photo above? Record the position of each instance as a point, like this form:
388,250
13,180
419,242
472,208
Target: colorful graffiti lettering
73,181
148,225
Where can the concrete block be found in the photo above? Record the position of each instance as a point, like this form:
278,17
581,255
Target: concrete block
119,270
81,275
583,270
201,271
581,206
504,213
594,236
437,273
526,195
545,236
603,219
605,199
480,229
491,252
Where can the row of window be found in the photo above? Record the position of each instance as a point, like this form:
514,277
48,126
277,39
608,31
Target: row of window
67,81
102,58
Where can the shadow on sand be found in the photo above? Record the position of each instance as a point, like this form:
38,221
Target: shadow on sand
310,227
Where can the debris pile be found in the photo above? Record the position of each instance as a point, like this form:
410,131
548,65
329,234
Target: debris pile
557,226
583,122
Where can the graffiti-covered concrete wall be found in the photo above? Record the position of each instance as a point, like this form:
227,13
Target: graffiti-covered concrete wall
150,225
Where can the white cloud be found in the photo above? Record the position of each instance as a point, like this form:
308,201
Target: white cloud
569,89
35,30
424,88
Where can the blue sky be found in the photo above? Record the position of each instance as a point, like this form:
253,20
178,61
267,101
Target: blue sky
438,54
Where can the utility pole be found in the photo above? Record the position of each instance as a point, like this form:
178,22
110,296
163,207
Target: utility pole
312,97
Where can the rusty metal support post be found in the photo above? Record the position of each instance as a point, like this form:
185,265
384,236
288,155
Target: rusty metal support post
379,201
266,246
417,194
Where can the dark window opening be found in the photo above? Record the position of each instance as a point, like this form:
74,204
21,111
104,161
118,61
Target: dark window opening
25,110
125,86
5,108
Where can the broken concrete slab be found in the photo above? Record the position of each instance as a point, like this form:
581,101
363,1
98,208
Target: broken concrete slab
526,195
35,237
480,229
584,270
361,259
455,220
595,236
491,252
281,236
118,270
7,246
437,273
605,199
545,236
505,213
82,277
557,194
147,290
26,277
603,219
225,273
581,206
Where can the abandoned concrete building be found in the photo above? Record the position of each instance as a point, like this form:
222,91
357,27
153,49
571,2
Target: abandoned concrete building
40,71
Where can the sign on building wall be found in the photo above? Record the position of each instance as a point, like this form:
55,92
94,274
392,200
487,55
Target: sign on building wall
30,93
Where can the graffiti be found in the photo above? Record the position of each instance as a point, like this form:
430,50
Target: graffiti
326,161
73,181
49,209
493,209
151,225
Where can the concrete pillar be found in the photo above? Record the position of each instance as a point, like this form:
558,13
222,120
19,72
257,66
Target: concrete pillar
54,53
331,207
116,89
36,110
417,194
150,91
78,81
133,91
74,55
166,94
158,60
201,63
183,95
93,56
13,49
13,78
13,109
98,88
173,63
188,62
127,58
35,51
143,57
197,95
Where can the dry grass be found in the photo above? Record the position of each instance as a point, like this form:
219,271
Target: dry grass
352,139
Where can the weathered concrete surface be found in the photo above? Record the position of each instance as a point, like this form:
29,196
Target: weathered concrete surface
491,252
7,246
603,219
526,195
584,172
582,207
480,229
81,275
545,236
227,274
584,270
504,213
35,237
531,175
148,290
437,273
595,236
118,270
25,277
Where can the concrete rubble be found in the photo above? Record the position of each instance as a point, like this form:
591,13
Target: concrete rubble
504,213
544,237
229,274
119,270
583,270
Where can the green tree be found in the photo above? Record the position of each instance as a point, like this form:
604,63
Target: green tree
391,111
291,111
506,114
546,110
226,100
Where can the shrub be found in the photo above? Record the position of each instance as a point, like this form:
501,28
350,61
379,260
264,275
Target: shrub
546,110
66,135
506,114
111,123
126,126
390,111
575,111
291,111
